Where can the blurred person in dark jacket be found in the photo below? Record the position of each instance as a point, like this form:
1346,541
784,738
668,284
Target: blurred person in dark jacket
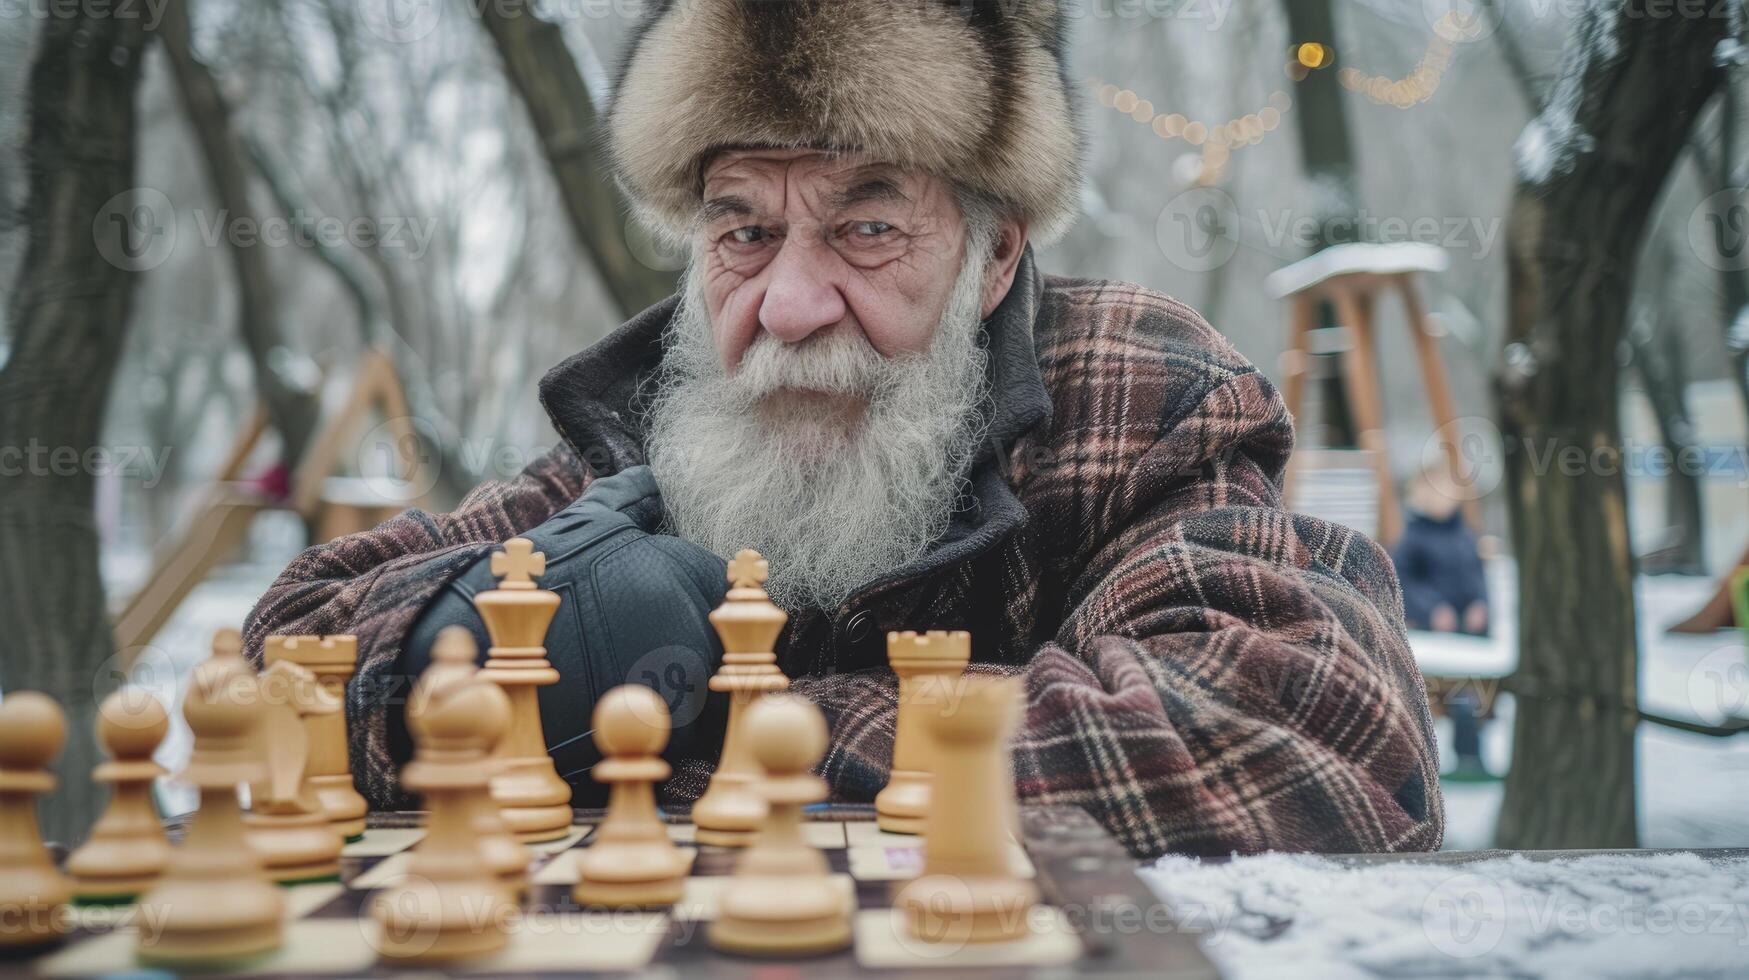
1439,562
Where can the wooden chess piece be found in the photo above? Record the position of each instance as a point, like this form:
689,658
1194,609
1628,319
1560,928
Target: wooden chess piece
213,903
534,801
927,664
631,861
286,824
450,905
731,810
968,891
783,900
453,656
33,895
127,849
333,659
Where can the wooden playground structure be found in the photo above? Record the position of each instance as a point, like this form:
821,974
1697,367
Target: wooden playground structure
220,521
1351,279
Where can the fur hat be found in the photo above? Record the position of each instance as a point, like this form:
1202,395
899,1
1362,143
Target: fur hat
972,90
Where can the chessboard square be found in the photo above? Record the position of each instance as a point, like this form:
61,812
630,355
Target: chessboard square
703,896
824,834
878,863
390,869
112,952
873,862
301,900
868,832
884,942
383,842
577,942
821,834
320,946
561,870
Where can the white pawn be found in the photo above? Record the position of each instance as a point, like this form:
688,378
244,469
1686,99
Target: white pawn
33,895
452,663
127,849
213,903
632,861
783,900
451,905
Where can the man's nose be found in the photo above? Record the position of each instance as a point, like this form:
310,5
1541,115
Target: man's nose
802,296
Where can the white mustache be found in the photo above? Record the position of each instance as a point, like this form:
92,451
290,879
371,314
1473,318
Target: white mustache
841,362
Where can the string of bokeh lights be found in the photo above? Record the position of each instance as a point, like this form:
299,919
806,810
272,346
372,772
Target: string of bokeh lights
1217,141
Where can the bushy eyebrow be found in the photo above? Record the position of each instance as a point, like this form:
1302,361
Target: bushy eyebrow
863,191
724,207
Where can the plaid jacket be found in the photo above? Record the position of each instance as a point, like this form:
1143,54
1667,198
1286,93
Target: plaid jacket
1204,671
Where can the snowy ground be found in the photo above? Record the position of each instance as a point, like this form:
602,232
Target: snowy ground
1693,790
1634,915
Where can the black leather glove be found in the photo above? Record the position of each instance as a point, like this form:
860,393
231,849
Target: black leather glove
634,610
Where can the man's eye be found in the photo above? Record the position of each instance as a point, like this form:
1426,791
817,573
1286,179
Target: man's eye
872,229
748,235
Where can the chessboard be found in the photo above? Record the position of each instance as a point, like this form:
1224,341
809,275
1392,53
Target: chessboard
1096,916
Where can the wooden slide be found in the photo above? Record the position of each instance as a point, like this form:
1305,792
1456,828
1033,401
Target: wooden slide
211,535
219,524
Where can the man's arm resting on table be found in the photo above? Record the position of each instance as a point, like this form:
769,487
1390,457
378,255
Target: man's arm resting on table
1235,678
375,583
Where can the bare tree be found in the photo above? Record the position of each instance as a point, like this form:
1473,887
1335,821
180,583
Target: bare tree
542,70
68,317
291,406
1590,167
1720,170
1654,346
1656,354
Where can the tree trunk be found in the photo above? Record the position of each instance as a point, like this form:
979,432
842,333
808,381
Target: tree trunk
1590,169
1326,151
291,406
1733,282
1657,355
543,72
1327,160
87,236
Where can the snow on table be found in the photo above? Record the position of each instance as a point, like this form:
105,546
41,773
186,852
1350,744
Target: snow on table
1604,914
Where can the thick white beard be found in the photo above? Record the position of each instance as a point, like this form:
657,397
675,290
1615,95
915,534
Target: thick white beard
830,510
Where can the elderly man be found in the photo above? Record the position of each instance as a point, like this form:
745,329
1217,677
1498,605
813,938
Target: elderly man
866,377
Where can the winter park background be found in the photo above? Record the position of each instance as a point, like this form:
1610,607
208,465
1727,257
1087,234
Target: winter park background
326,178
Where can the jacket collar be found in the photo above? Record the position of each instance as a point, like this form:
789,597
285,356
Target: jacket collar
593,401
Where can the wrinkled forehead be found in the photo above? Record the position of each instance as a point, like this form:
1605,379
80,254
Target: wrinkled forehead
830,178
